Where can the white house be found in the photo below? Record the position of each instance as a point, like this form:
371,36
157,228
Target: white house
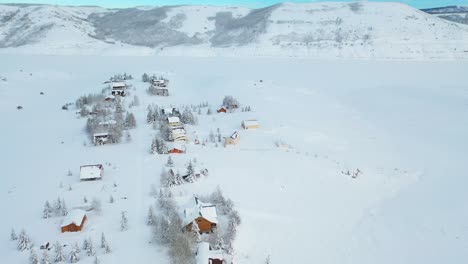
250,124
205,255
174,122
119,88
91,172
178,134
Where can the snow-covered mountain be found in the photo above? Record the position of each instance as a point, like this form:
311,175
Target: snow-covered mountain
347,30
458,14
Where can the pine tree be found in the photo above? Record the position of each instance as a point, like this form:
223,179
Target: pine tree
90,251
45,258
23,241
111,199
85,244
149,116
96,260
63,209
47,210
150,218
13,235
123,222
74,255
209,111
58,252
103,241
190,173
196,231
85,200
170,162
33,259
107,249
58,206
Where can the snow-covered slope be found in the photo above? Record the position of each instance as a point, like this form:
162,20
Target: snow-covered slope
402,124
345,30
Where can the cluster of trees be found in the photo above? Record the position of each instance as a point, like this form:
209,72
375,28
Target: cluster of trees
223,238
59,208
121,77
168,230
174,179
158,146
230,102
154,114
187,117
246,109
88,100
102,115
73,256
149,78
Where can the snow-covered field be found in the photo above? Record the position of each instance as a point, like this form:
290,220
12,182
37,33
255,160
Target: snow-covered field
403,124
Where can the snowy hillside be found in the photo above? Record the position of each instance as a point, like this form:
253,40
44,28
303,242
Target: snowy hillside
337,30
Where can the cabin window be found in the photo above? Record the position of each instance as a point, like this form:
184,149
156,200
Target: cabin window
199,220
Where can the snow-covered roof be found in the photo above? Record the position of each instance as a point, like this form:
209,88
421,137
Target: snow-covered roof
178,131
168,110
250,123
104,134
235,135
200,209
118,85
74,217
91,172
204,253
177,145
173,119
109,122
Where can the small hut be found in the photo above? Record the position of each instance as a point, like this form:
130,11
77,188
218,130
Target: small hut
233,139
250,124
91,172
74,221
222,110
176,148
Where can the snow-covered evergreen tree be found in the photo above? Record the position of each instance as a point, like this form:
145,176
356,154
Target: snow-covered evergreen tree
23,241
107,249
103,241
196,231
90,251
59,257
212,137
96,260
123,222
230,102
58,206
33,259
74,255
45,258
130,121
209,111
190,173
63,209
150,217
170,162
85,244
13,235
150,116
47,210
111,199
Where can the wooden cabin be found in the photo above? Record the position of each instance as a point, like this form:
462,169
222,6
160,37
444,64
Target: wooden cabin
234,139
91,172
250,124
222,110
203,214
176,149
74,221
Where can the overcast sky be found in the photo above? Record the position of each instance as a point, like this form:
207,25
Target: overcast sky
251,3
